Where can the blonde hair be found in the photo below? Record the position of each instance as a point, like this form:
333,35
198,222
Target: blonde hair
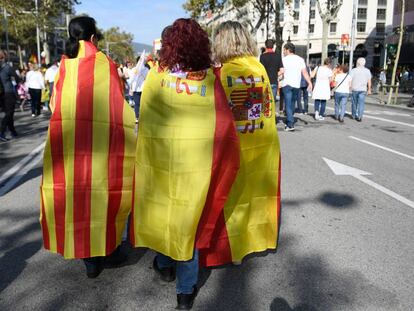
232,40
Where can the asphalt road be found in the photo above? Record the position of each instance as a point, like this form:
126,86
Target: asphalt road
346,243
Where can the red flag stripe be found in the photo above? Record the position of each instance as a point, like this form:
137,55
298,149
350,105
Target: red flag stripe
83,157
56,145
132,215
45,229
116,155
226,161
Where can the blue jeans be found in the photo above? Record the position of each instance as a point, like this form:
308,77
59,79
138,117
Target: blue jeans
302,92
358,103
274,90
340,104
322,103
290,94
186,271
137,102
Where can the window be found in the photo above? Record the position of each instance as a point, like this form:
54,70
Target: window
361,26
382,2
312,3
362,13
381,13
311,28
262,32
312,14
362,2
295,30
282,4
332,28
297,4
380,28
282,16
296,15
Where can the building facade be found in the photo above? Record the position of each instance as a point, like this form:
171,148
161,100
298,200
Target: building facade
302,24
407,48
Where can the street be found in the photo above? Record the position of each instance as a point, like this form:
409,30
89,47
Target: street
346,240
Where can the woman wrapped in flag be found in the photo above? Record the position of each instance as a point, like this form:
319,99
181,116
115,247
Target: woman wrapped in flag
252,211
88,168
186,160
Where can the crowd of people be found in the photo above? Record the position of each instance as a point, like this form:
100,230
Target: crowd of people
293,81
194,173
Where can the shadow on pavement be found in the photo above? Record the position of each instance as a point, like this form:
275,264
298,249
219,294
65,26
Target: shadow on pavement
280,304
337,200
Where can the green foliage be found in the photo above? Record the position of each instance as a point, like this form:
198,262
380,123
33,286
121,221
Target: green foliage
119,43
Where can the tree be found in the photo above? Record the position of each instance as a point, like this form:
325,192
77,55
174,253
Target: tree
118,44
397,56
327,15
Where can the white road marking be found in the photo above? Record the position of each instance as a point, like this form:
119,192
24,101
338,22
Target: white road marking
382,147
342,169
21,168
375,118
20,164
389,113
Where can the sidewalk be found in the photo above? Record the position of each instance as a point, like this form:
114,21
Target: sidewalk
402,102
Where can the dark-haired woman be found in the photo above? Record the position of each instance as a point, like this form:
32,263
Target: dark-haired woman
186,160
342,89
86,190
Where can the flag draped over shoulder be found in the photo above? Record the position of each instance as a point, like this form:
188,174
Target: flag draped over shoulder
186,161
252,212
88,168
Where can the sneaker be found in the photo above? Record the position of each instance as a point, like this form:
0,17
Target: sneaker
33,115
14,134
305,113
3,138
166,274
341,120
321,118
289,129
316,115
186,301
359,119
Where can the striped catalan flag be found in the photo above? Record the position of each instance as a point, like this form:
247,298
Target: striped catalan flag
187,158
88,167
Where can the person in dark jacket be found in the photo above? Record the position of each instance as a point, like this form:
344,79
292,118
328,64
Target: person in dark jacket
7,97
303,92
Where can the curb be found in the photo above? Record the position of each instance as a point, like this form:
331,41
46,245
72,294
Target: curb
375,102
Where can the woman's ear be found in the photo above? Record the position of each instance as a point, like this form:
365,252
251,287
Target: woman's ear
94,40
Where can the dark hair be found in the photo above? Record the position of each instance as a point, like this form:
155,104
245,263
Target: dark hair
345,68
269,43
290,47
80,28
327,61
185,45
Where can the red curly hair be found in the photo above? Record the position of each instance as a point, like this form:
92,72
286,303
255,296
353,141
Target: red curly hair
185,46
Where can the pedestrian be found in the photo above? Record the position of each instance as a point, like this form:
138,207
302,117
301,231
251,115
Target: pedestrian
7,97
361,86
187,158
88,165
50,75
35,83
272,61
322,90
303,93
137,83
252,210
342,89
294,66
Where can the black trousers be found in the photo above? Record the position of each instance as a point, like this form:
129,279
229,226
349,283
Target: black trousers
8,101
36,96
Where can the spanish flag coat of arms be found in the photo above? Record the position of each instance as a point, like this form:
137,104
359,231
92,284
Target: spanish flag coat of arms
88,167
251,215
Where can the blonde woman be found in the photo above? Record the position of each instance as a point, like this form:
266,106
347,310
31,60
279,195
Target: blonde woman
252,211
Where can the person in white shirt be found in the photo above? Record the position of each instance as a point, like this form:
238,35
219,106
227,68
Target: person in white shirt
342,89
36,83
361,86
50,75
294,66
137,84
322,90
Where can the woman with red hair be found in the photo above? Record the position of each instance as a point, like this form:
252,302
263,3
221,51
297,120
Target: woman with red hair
187,158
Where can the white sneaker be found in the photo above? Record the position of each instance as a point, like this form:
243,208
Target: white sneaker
316,115
289,129
33,115
321,118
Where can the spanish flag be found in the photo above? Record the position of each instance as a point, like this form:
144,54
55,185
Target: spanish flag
251,217
88,167
187,158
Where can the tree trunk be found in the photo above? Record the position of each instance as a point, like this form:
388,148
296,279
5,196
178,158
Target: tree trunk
278,28
19,51
325,28
397,56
